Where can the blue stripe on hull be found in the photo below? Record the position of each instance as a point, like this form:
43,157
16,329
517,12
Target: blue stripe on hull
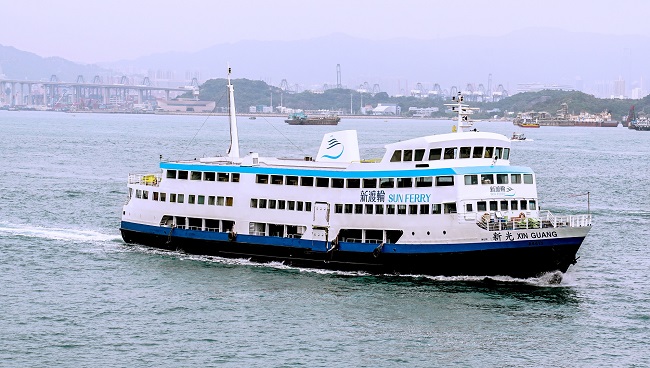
516,258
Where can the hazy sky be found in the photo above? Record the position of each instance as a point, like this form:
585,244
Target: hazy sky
91,31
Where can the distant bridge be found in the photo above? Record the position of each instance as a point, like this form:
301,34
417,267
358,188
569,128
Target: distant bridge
77,93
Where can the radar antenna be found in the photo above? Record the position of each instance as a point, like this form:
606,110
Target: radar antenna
463,124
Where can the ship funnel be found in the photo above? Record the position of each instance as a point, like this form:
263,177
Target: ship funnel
341,146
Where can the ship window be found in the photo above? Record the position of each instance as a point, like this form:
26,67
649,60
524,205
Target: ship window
338,183
235,178
272,204
194,223
514,205
497,152
450,153
481,206
379,209
353,183
478,152
401,209
532,205
397,156
390,209
370,183
408,155
171,174
208,176
291,205
138,193
436,209
130,192
444,181
322,182
262,203
219,201
200,199
227,225
348,208
338,208
225,177
419,154
182,174
211,225
196,175
180,198
506,153
502,178
465,152
523,204
172,197
282,204
515,178
262,179
450,207
191,199
358,208
374,236
299,206
487,179
471,179
469,207
276,230
488,152
386,183
424,209
145,194
155,196
163,196
211,200
413,209
493,206
424,182
435,154
277,179
504,205
253,202
404,182
368,209
306,181
308,206
291,180
528,178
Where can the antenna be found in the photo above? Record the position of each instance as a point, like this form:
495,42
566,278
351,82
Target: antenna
464,123
233,150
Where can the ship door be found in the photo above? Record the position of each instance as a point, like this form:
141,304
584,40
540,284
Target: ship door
321,221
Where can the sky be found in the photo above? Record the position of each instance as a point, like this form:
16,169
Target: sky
92,31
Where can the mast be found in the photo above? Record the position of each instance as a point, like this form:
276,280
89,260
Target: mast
233,150
463,123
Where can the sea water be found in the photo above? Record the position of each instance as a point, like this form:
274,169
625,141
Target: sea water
73,294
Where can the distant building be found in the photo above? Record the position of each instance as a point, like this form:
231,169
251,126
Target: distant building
423,112
186,105
387,109
619,87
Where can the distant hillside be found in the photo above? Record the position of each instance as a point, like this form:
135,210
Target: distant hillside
539,55
17,64
253,93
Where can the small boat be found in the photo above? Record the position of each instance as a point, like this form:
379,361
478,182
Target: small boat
529,124
300,118
445,204
518,137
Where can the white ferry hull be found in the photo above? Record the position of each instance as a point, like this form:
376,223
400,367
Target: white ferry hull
520,259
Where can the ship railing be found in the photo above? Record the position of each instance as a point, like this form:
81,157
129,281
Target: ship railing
145,179
546,219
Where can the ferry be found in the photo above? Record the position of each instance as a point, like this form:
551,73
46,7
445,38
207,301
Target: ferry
447,204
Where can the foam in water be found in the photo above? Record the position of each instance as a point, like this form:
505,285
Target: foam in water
74,235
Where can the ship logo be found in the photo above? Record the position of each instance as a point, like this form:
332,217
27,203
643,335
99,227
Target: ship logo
331,147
